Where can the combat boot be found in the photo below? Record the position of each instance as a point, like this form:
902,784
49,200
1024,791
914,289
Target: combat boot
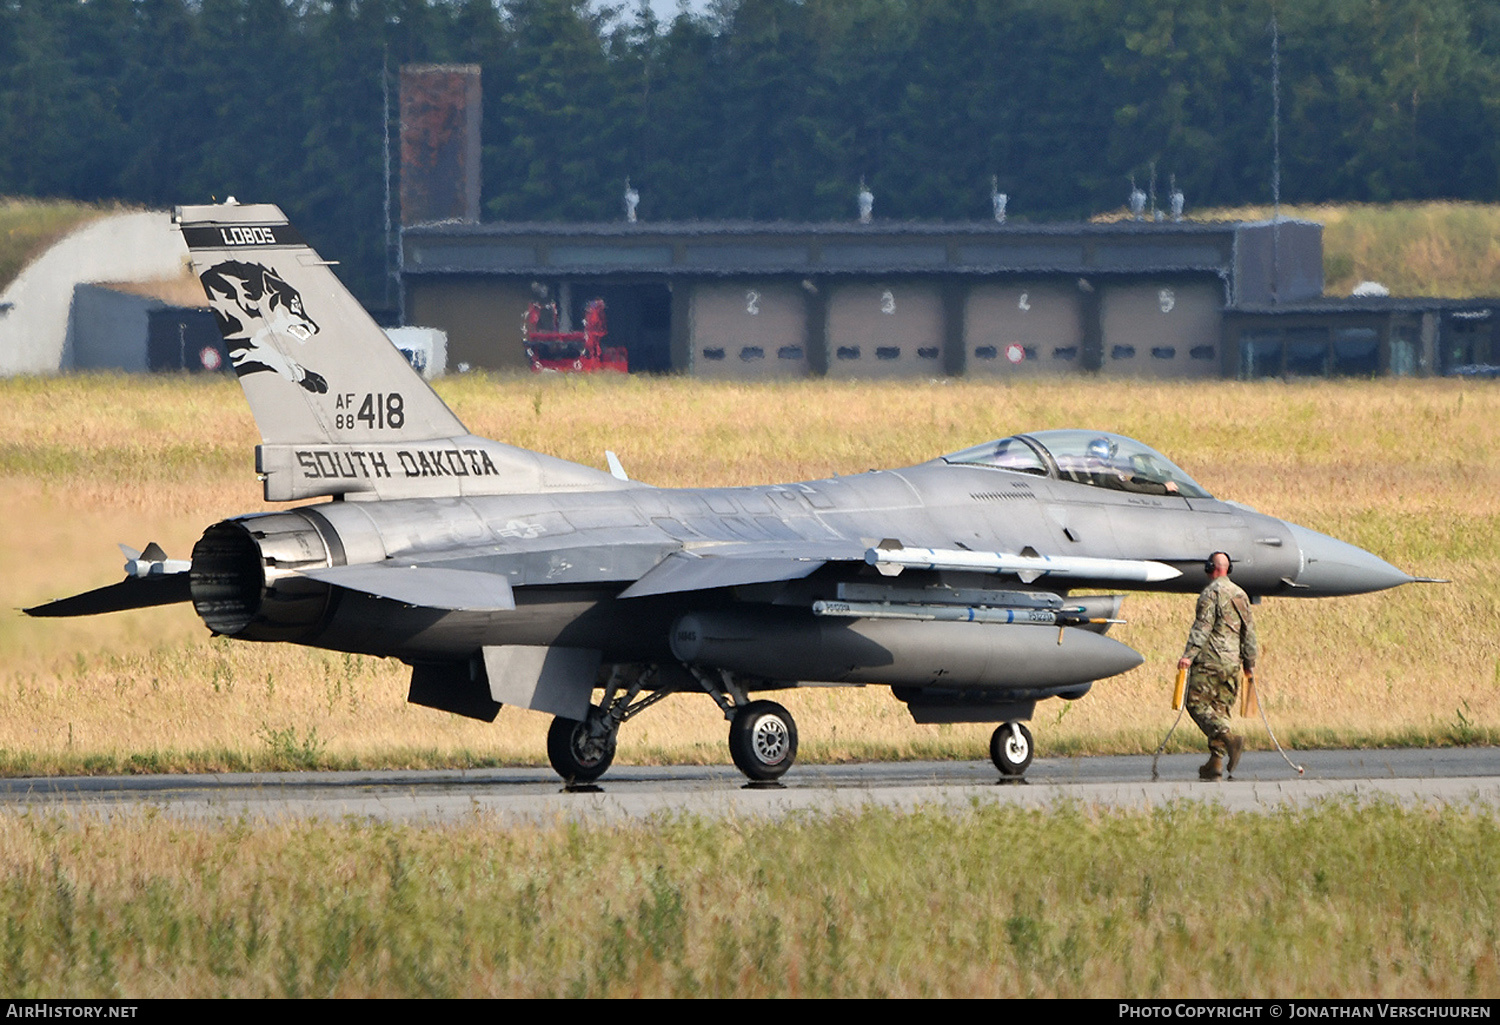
1236,745
1213,768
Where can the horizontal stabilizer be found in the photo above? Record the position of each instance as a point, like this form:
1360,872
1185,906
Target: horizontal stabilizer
454,590
130,593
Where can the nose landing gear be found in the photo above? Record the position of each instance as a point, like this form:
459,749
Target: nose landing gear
1011,748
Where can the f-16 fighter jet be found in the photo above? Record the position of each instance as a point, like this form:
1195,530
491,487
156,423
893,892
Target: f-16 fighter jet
507,577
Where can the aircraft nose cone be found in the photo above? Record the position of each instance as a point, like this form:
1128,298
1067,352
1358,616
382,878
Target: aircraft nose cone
1331,567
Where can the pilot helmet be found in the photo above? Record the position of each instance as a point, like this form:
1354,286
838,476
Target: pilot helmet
1101,449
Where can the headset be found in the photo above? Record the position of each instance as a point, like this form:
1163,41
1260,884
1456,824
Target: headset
1208,563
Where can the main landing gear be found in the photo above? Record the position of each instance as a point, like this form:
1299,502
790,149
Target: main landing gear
762,740
583,750
762,734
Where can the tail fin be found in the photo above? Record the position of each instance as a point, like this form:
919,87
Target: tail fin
340,410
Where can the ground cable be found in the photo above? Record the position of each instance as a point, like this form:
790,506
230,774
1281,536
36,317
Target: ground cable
1178,702
1301,770
1163,745
1180,705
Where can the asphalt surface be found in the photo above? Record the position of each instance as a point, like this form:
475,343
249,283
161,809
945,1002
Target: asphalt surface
1450,776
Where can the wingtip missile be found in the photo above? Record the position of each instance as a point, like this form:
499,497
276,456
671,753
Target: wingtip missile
151,579
153,562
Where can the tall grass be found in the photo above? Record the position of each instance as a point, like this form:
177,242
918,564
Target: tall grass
1186,901
1402,468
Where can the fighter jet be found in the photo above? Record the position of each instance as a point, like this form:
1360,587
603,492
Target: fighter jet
507,577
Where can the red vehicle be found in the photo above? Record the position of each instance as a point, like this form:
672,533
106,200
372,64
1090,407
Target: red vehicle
570,351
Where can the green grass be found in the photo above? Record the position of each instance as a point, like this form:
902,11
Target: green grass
1185,901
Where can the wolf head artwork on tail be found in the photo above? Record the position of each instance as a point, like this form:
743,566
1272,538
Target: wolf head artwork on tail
256,308
340,410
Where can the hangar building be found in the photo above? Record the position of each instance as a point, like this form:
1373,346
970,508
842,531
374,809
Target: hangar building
1000,301
887,299
863,300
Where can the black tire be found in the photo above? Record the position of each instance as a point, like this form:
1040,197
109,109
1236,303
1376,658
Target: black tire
1011,756
763,740
574,755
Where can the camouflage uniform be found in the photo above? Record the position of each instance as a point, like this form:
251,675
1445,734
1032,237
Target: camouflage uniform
1221,641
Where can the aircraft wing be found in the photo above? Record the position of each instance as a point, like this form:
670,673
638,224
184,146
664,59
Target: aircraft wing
454,582
759,563
739,564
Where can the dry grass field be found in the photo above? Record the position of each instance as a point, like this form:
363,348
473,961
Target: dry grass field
1182,902
1407,469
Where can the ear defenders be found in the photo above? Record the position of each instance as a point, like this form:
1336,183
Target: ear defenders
1208,563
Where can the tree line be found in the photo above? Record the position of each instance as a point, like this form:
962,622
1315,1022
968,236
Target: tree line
753,109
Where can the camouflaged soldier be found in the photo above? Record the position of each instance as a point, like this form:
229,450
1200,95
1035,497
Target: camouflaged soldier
1221,642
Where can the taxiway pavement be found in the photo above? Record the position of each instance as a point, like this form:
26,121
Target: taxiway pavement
1451,776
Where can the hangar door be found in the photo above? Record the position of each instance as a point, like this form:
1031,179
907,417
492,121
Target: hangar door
1023,329
885,330
749,329
637,315
1166,329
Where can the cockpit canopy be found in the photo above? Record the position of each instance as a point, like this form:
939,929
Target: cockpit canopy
1096,458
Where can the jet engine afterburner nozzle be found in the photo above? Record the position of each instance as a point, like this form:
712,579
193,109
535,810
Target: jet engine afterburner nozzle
243,578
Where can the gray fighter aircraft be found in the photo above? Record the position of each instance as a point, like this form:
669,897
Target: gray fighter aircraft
507,577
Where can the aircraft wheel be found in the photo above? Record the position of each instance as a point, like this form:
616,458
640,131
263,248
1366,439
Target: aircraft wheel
1011,748
763,740
575,753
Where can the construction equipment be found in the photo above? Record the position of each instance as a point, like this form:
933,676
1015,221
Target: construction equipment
570,352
